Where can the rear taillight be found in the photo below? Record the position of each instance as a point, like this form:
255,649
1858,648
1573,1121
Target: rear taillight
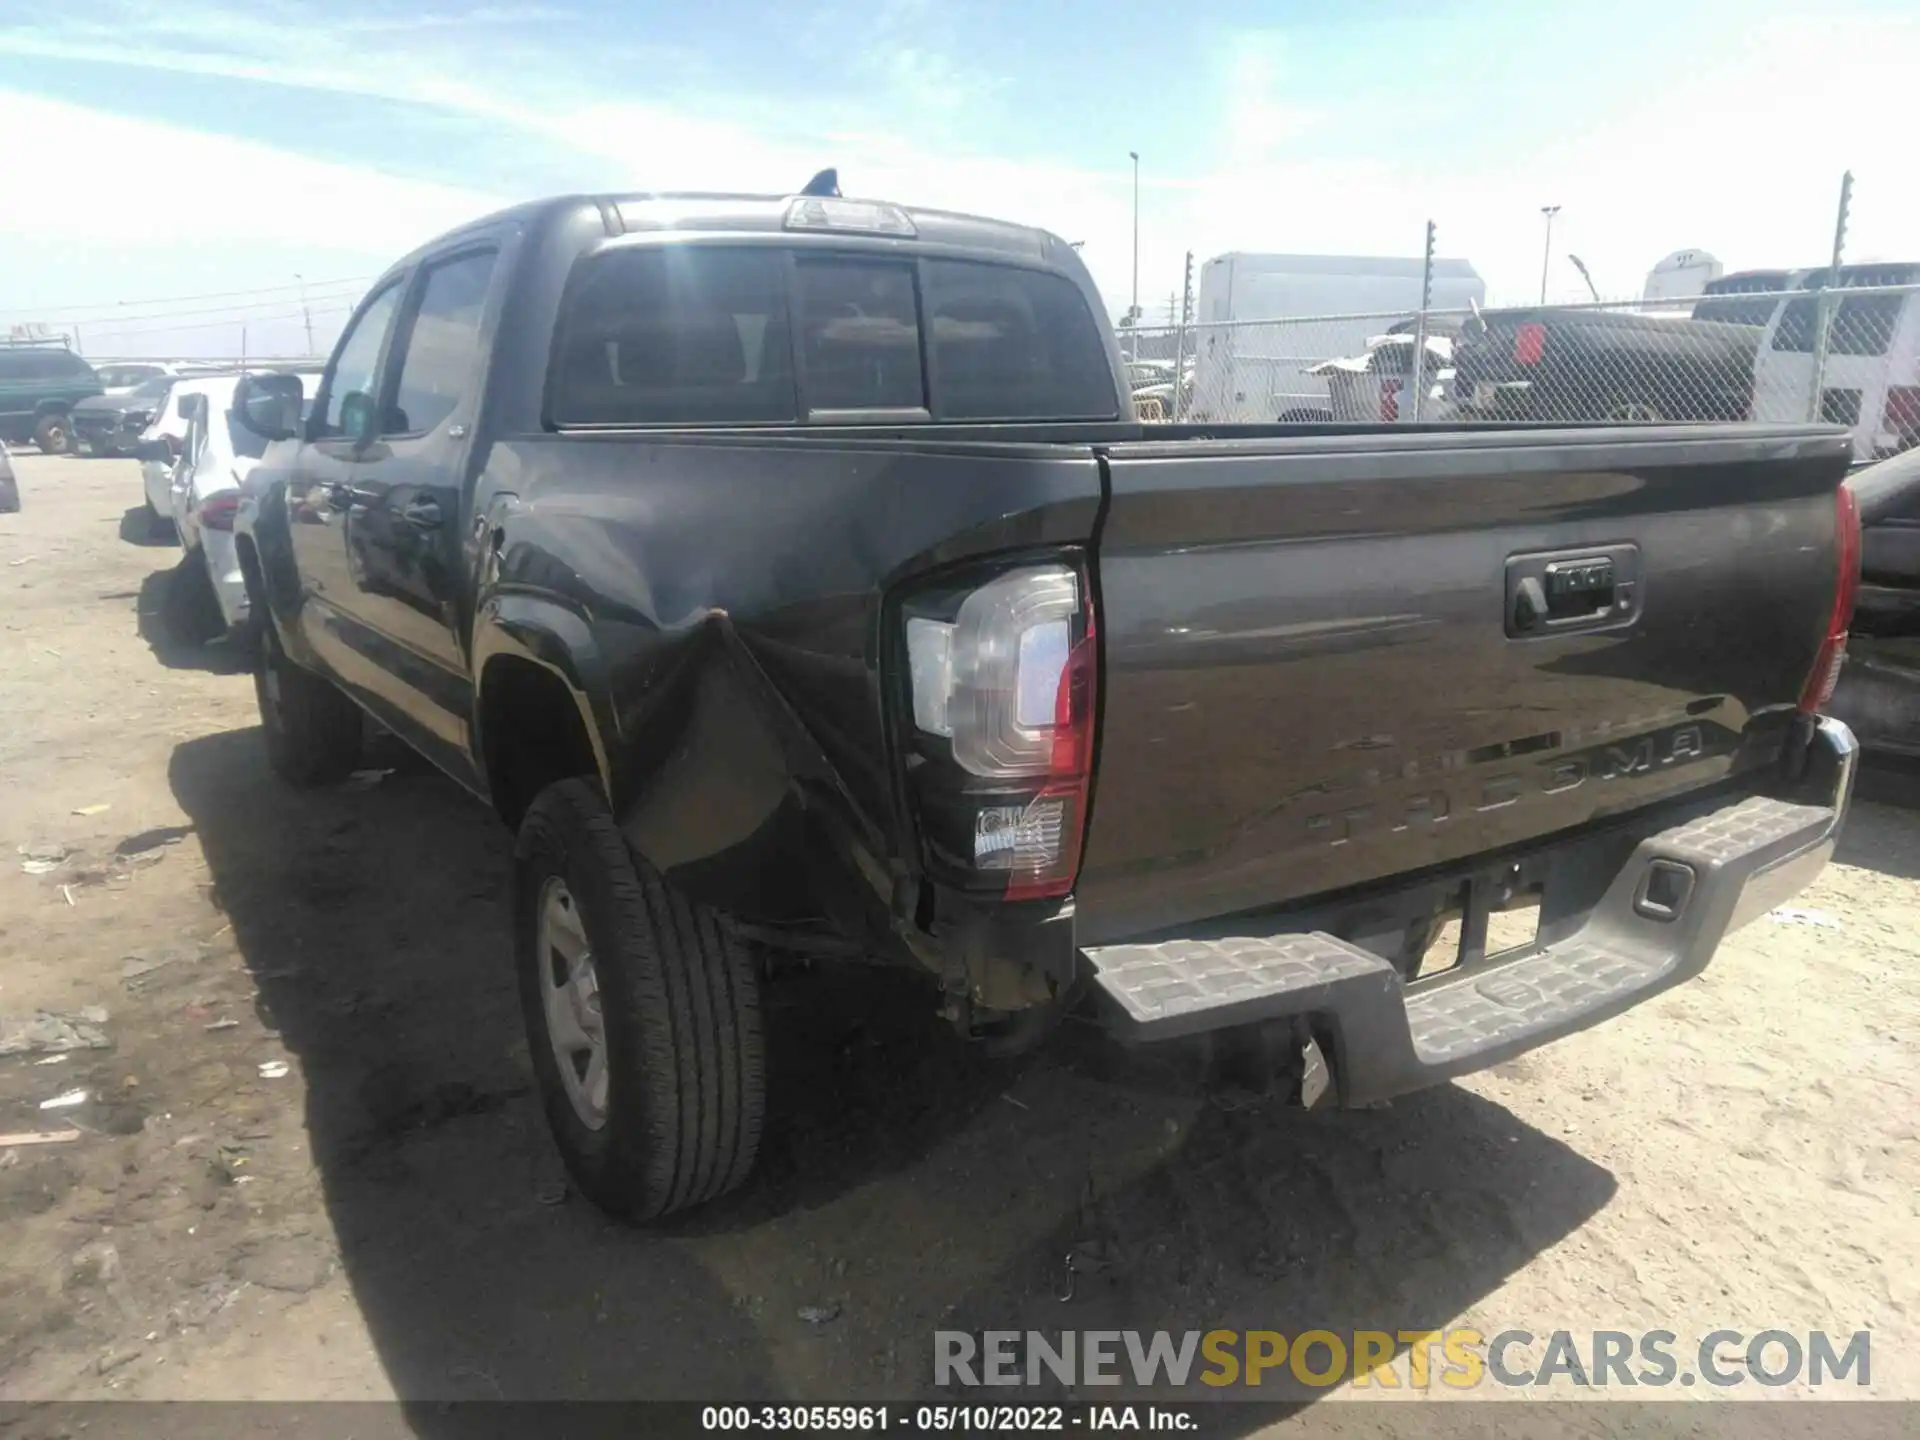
1901,413
1002,680
1529,343
217,511
1389,401
1833,649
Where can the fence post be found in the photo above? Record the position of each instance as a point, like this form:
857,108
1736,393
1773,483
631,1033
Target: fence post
1180,346
1824,304
1418,363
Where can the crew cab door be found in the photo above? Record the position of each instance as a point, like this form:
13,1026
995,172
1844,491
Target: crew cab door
405,527
320,490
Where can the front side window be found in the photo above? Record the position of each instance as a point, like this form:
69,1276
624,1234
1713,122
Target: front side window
441,345
676,334
355,367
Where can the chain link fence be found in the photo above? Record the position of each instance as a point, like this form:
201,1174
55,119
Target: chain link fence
1846,354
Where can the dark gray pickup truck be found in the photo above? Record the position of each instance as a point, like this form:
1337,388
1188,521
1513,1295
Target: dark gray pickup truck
791,574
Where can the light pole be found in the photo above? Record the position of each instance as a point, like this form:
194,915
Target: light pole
1546,254
1134,313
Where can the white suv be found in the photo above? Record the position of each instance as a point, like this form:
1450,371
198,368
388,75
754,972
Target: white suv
1871,382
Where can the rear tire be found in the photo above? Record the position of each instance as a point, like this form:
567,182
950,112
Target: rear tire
314,733
158,526
53,434
652,1007
192,611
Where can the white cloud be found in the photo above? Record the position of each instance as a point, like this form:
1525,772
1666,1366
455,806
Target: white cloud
174,186
1743,158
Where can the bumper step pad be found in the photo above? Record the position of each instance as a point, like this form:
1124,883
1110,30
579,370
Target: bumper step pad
1744,857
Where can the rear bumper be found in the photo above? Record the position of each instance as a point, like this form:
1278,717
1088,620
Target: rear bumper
1728,861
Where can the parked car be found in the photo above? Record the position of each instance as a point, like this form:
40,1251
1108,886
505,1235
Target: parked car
788,574
39,386
9,487
121,376
1562,365
216,457
1376,386
111,425
159,448
1879,692
1870,381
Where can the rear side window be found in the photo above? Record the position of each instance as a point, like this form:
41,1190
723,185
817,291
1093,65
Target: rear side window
1014,344
1735,311
860,335
676,333
40,365
1862,325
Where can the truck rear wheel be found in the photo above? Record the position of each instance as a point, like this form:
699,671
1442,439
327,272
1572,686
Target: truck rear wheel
642,1014
314,733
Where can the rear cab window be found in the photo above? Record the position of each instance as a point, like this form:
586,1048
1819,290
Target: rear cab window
716,333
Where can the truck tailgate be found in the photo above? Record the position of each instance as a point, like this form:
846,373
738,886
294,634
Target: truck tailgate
1313,675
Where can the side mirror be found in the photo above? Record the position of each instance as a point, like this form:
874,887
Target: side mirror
357,417
267,405
193,409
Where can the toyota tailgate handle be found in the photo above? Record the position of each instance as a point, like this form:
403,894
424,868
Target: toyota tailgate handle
1573,590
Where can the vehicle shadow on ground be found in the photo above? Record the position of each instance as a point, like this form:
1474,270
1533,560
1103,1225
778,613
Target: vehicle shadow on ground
908,1183
178,628
137,527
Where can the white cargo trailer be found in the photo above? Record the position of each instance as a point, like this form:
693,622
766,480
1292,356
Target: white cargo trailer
1266,320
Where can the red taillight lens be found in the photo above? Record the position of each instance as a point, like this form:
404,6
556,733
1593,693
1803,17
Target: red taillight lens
1003,683
1389,401
1529,343
218,511
1825,674
1901,414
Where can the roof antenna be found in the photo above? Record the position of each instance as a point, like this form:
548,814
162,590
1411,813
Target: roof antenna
827,182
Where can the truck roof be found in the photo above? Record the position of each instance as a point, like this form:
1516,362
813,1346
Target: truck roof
635,212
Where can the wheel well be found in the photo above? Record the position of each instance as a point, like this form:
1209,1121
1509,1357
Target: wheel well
531,734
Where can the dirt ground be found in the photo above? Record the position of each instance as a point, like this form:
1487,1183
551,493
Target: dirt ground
386,1218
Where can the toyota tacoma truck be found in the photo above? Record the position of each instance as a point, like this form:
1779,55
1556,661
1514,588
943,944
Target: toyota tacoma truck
791,575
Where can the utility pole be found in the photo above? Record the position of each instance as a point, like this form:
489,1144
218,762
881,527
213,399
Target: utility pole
1824,335
305,313
1546,254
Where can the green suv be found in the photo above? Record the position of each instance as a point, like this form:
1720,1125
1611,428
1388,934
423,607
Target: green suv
39,385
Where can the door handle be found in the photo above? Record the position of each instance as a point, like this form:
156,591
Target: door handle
423,513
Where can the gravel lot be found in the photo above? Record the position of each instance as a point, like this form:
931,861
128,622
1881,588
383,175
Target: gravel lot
386,1218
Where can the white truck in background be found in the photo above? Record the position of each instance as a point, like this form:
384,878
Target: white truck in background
1265,321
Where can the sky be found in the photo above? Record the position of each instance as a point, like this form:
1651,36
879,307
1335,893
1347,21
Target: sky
176,171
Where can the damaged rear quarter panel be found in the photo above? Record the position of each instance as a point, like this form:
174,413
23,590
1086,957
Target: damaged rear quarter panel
727,594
